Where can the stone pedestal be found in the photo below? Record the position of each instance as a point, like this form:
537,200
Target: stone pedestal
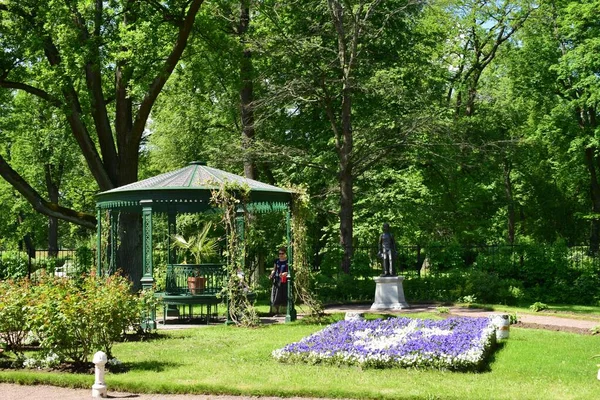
389,294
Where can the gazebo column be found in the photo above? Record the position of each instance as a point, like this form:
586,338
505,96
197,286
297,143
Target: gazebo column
98,241
172,227
291,310
147,278
172,309
114,231
149,321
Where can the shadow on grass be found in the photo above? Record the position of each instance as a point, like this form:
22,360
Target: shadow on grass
155,366
142,337
490,358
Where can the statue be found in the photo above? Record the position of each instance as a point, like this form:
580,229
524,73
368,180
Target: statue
387,250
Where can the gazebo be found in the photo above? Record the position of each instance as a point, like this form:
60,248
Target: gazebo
186,190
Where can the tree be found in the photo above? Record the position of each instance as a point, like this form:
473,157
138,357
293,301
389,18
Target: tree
332,57
102,65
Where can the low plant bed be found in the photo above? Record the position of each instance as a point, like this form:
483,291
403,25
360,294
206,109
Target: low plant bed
458,343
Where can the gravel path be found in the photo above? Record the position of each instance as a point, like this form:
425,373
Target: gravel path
43,392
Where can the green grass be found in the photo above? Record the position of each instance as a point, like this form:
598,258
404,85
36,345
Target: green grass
591,313
532,364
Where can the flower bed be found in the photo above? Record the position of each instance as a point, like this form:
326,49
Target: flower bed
459,343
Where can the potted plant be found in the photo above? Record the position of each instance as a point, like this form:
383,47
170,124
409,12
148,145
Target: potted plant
200,247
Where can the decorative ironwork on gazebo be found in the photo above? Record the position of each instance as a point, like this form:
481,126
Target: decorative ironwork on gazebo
186,190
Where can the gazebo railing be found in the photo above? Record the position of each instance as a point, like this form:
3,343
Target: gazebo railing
213,278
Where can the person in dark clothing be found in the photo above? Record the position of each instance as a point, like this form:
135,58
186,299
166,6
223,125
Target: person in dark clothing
279,281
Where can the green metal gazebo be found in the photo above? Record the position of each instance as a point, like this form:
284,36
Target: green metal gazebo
186,190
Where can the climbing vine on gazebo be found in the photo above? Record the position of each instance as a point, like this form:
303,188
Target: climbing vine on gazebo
300,214
231,199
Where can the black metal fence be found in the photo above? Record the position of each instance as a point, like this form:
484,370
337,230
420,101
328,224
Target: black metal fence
21,263
415,260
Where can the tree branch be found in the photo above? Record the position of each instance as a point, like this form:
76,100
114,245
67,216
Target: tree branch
40,204
31,90
80,132
94,86
159,81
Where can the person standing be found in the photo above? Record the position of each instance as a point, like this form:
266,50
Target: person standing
278,278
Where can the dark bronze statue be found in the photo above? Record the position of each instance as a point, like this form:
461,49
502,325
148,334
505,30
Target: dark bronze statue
387,250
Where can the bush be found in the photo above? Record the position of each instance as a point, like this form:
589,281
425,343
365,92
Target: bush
538,306
15,309
445,257
460,284
71,318
84,259
13,265
343,287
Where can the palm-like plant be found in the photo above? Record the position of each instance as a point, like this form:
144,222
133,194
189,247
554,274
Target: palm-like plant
200,246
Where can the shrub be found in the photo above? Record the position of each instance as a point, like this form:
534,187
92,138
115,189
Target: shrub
13,265
537,306
445,257
15,308
344,287
77,318
468,299
84,259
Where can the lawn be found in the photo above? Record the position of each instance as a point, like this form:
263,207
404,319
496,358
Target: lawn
532,364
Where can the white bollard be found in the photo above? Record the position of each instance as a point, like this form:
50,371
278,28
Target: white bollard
354,316
99,387
502,323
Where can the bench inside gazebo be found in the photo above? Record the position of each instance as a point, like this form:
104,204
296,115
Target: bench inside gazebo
183,191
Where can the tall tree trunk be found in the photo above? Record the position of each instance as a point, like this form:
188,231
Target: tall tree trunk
52,189
27,241
129,254
510,201
346,217
246,92
346,180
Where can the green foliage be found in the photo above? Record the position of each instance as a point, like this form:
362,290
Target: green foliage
469,299
538,306
13,265
229,198
513,318
445,257
72,319
84,259
344,288
200,246
303,275
15,308
76,321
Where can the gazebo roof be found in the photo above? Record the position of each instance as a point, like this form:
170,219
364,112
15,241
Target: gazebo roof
188,189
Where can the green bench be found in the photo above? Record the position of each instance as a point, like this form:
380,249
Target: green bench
194,284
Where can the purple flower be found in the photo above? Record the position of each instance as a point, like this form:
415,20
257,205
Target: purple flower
454,343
